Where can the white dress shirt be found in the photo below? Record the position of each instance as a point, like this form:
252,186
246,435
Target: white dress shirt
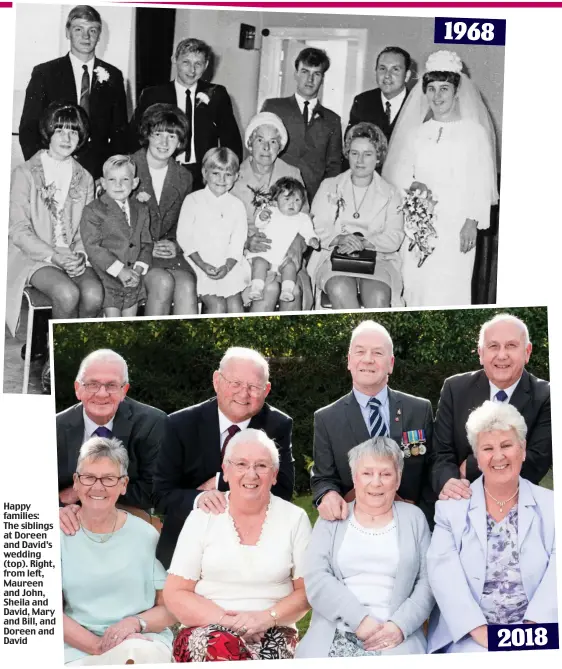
224,424
90,427
78,71
180,97
384,408
311,105
508,391
395,104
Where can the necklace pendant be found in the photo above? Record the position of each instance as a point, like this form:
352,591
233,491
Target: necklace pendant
356,214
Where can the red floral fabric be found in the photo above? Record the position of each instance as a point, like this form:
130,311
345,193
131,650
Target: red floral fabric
216,643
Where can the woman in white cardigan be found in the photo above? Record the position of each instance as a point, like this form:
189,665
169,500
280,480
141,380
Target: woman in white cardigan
365,576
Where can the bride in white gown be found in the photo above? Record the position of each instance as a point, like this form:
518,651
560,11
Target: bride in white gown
444,140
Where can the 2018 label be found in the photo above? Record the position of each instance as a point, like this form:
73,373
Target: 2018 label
522,637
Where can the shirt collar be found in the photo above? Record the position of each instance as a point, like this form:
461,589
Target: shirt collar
90,427
508,391
363,400
396,101
77,63
225,423
180,88
300,101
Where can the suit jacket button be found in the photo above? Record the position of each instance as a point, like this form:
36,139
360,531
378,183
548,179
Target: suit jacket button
131,246
129,264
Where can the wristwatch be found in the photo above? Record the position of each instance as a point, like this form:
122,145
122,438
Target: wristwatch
142,623
274,615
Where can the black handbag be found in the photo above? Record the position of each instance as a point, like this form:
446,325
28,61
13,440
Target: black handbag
360,262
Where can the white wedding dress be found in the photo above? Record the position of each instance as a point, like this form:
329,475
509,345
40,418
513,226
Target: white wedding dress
454,161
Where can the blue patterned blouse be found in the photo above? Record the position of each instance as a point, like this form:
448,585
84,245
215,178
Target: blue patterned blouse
504,601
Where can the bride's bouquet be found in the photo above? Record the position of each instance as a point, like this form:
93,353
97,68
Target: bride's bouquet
418,207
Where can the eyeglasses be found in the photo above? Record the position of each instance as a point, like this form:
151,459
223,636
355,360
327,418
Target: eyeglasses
106,481
110,388
235,386
242,467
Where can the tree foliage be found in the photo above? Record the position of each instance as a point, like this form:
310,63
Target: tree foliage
171,361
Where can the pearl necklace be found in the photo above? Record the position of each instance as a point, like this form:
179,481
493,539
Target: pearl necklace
501,504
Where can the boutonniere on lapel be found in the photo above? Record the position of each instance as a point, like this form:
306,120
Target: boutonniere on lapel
102,75
262,203
143,196
203,98
398,414
317,113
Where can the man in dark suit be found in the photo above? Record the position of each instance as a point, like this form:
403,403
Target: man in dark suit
315,142
104,410
189,464
382,105
371,409
504,348
80,78
207,107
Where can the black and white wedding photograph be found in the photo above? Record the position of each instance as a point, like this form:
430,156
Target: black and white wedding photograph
159,176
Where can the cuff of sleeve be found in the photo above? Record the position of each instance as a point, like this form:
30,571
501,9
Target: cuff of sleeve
355,619
49,259
115,268
142,265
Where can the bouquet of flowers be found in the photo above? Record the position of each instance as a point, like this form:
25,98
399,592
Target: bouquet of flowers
262,203
418,207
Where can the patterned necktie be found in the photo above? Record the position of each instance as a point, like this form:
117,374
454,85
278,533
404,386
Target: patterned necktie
103,432
377,426
189,114
501,396
85,90
125,210
388,111
305,113
232,430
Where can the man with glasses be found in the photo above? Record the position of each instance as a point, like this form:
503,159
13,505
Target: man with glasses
189,466
104,410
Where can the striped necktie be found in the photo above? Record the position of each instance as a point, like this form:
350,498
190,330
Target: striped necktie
377,426
85,90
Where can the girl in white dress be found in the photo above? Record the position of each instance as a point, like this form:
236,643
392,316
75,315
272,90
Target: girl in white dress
444,142
212,231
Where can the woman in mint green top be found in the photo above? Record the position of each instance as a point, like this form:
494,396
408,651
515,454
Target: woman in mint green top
112,582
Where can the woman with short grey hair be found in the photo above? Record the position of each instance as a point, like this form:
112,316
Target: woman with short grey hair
113,610
365,576
492,558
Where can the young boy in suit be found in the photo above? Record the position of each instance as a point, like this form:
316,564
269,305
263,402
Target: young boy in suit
115,230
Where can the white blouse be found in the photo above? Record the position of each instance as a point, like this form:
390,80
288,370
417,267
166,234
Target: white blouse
368,560
239,577
158,176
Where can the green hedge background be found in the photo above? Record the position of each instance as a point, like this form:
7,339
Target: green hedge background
171,361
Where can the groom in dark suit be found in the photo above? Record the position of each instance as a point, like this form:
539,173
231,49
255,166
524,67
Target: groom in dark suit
382,105
504,348
189,464
104,410
315,142
371,409
207,107
79,78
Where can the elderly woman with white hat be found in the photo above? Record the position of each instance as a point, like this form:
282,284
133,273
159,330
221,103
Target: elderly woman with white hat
265,138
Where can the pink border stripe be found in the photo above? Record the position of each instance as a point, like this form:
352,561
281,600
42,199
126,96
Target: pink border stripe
359,5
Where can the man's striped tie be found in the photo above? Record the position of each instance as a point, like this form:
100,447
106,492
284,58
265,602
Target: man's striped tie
377,426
